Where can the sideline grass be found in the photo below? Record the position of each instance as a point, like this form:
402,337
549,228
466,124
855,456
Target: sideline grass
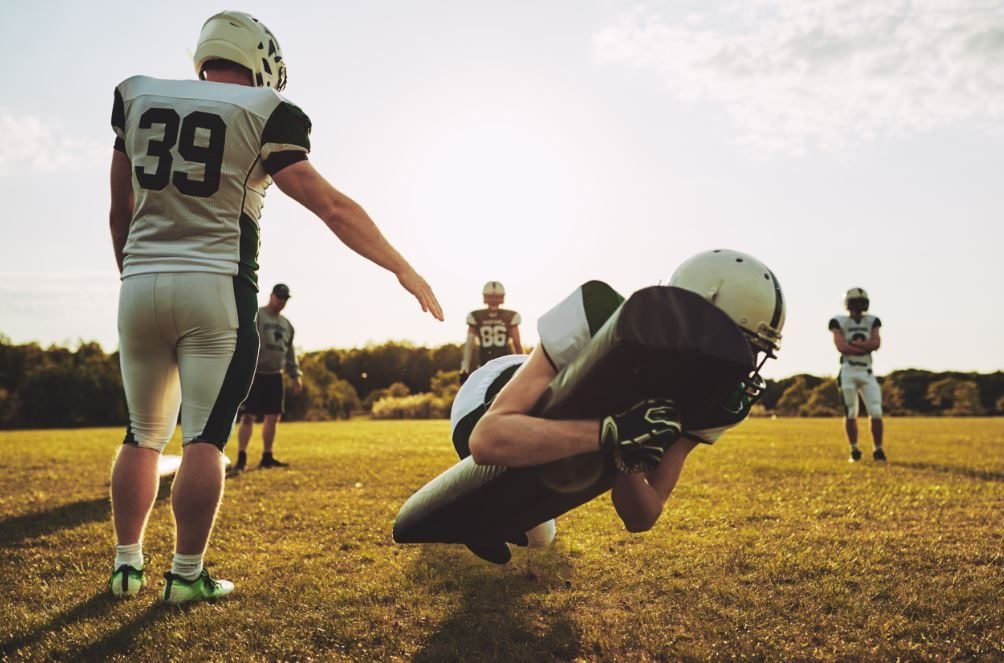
773,546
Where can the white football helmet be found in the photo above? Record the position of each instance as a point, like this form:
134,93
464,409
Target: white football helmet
856,295
241,38
745,289
493,292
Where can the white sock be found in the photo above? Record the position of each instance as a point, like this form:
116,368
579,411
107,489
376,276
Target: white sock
187,566
542,535
131,555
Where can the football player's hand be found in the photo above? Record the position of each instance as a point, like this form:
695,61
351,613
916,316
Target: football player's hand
636,439
463,376
417,286
297,385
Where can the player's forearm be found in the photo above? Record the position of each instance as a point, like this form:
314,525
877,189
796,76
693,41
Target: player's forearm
118,222
469,347
520,440
848,349
354,227
636,502
121,205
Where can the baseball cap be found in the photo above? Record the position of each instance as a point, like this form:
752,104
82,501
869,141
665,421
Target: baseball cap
281,290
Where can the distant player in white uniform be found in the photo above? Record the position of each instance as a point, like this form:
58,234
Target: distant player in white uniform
856,336
492,332
491,420
191,163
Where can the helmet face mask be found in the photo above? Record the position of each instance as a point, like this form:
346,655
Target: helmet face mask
748,292
493,293
241,38
856,300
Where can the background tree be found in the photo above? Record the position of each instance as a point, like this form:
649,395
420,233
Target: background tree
823,401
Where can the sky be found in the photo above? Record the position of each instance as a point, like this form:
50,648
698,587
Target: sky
543,143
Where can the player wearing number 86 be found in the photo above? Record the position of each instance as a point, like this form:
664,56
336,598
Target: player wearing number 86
191,164
492,332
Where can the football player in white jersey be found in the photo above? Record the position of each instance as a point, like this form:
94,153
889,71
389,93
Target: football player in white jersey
491,419
856,336
492,332
191,163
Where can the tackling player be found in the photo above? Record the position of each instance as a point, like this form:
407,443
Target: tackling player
856,336
491,332
191,164
491,417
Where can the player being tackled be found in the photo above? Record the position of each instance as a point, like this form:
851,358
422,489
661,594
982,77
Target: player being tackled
491,418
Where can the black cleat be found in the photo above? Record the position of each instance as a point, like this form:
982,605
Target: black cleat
496,553
271,462
855,455
878,455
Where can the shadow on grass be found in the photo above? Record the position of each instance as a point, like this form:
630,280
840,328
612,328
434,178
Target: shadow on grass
120,641
495,615
31,525
967,472
92,608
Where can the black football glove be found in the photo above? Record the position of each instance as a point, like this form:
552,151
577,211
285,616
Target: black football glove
636,439
463,376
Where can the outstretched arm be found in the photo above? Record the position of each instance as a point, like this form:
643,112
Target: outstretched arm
120,212
639,498
353,226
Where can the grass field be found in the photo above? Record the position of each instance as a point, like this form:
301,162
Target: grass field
772,547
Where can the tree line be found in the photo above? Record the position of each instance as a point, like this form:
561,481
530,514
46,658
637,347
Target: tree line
63,387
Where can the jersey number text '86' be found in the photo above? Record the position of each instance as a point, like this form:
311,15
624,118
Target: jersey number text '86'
492,336
209,155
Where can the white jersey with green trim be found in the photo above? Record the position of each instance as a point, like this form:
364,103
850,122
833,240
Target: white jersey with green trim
855,329
568,327
202,155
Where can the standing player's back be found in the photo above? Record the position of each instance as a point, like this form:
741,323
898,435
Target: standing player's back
201,154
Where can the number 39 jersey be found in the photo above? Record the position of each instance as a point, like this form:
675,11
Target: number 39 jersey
202,155
493,329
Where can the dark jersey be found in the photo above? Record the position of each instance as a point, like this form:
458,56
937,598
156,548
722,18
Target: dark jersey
494,331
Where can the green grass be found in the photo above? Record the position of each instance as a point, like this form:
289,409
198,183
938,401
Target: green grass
772,547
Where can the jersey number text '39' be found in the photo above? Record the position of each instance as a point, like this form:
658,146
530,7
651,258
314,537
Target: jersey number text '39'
208,127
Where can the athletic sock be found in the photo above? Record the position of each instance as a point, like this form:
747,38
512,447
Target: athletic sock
130,554
242,457
267,455
187,566
854,447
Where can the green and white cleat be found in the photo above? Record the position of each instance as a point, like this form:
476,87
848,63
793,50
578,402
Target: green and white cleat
179,590
126,581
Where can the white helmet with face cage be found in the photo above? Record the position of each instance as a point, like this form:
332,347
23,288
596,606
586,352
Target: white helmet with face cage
243,39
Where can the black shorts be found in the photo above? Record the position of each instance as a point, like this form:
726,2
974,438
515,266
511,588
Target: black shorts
267,395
